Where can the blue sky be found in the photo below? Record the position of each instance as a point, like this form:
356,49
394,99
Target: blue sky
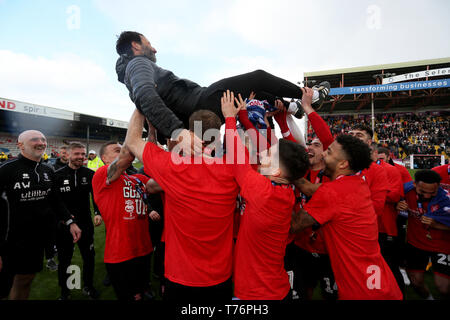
48,58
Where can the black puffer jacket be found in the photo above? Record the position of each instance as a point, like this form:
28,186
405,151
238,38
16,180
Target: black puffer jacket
166,100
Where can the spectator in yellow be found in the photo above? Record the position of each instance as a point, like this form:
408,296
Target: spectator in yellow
94,162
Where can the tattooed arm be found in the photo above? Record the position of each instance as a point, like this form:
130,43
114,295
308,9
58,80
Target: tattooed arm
302,220
119,165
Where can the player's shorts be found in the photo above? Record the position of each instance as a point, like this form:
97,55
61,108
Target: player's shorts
418,259
26,258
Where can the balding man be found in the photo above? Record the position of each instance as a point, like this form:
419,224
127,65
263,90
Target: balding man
27,187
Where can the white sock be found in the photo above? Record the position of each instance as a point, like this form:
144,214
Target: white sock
315,95
430,297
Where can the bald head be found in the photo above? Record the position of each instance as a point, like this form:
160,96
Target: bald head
32,144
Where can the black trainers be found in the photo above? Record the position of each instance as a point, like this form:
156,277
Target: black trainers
52,265
295,108
324,90
91,293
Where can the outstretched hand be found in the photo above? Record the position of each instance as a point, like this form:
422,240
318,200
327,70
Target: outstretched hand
227,103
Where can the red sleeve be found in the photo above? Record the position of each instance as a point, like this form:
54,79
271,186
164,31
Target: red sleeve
376,178
156,162
395,187
321,205
280,117
321,129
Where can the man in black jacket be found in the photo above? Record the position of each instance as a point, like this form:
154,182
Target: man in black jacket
74,183
28,189
167,101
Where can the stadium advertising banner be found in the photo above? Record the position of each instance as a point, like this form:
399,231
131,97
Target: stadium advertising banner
116,123
23,107
401,86
417,75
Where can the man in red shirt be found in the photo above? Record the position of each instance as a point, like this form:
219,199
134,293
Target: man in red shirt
128,245
344,209
375,175
200,199
259,272
427,239
387,222
402,216
444,172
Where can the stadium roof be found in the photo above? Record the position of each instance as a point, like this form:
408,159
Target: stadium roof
418,86
378,67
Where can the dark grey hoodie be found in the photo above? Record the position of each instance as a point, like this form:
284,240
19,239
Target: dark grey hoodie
166,100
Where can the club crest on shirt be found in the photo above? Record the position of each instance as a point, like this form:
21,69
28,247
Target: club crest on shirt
84,181
66,182
25,176
46,177
434,208
129,208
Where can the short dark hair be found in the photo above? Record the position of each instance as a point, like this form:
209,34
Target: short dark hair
63,148
123,43
209,120
427,176
384,150
363,127
74,145
357,152
293,158
103,147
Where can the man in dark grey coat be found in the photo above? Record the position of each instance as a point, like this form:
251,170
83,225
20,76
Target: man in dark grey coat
167,101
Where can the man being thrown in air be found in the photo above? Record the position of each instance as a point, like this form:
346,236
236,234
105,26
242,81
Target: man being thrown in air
167,101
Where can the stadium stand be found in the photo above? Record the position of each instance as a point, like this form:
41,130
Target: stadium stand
406,104
59,126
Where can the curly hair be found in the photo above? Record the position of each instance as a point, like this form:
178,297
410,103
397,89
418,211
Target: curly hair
427,176
357,152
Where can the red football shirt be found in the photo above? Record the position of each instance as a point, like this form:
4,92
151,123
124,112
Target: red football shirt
200,200
344,209
444,172
307,239
123,213
377,181
417,232
406,177
387,222
259,272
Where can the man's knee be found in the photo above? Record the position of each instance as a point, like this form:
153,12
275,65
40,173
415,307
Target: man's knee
442,284
417,278
23,280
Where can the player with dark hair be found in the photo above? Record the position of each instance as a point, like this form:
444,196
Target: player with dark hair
259,272
387,222
428,233
128,245
167,101
344,210
199,201
74,184
375,175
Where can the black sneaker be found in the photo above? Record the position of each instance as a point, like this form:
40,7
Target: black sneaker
324,90
295,108
52,265
91,293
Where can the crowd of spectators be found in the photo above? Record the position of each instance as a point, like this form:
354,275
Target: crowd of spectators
403,133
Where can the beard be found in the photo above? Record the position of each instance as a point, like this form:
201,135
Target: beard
150,54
